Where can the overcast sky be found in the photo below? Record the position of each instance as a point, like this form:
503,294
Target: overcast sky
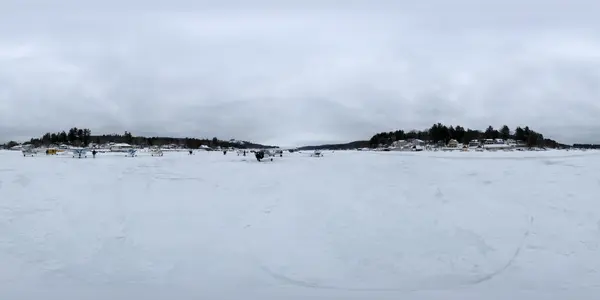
298,72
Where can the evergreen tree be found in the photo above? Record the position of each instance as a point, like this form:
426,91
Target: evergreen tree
87,135
452,133
520,134
491,133
400,135
460,133
532,139
128,137
72,135
505,132
63,138
79,136
412,134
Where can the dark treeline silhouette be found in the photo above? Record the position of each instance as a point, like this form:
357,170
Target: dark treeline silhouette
442,133
351,145
586,146
9,145
75,136
83,137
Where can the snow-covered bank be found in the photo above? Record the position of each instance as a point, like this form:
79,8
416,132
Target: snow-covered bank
349,225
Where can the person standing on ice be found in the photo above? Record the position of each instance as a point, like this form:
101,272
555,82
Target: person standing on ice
191,152
94,153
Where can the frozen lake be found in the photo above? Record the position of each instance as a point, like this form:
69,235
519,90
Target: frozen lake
349,225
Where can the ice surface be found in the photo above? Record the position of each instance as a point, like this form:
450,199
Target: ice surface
349,225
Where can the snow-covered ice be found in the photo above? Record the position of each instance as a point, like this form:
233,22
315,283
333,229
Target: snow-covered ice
349,225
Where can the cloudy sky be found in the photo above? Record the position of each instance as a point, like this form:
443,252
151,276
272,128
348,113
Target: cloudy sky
298,72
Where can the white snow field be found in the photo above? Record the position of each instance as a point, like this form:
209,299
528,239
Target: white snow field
349,225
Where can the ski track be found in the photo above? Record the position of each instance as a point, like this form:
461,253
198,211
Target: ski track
432,286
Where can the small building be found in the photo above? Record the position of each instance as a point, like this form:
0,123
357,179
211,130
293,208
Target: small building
120,147
474,144
399,143
452,143
417,142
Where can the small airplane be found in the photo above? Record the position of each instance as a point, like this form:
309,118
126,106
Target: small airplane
79,152
266,154
276,152
156,152
131,153
29,152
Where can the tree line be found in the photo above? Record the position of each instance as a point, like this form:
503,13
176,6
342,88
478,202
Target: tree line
82,137
440,133
351,145
586,146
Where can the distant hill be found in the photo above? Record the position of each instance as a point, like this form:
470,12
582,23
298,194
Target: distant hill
346,146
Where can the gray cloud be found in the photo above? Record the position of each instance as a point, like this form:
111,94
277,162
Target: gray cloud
303,72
